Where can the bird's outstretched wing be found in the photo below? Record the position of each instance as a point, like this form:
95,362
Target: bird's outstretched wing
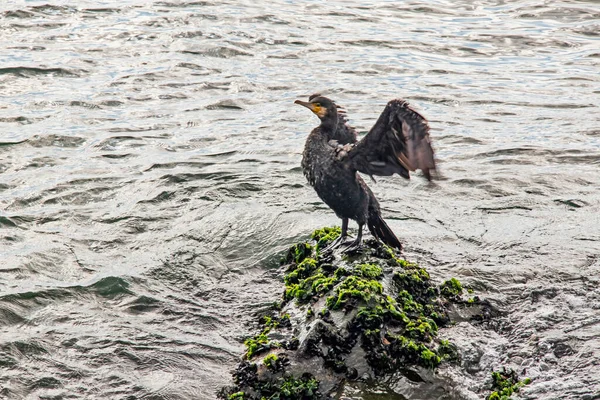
398,143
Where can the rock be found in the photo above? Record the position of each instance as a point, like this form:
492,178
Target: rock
370,316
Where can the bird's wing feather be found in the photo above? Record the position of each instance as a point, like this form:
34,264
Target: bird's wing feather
398,143
344,133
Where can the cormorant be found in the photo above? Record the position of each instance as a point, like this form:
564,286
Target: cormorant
397,143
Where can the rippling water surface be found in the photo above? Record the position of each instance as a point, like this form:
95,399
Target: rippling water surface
149,174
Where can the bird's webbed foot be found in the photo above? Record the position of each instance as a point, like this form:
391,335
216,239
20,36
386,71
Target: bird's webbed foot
340,240
335,244
355,247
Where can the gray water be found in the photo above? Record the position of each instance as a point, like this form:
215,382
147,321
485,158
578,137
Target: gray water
149,176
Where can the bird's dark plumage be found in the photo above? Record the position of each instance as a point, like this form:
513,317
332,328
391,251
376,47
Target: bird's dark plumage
397,143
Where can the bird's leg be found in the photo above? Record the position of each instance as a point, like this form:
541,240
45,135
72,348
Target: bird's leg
340,239
357,244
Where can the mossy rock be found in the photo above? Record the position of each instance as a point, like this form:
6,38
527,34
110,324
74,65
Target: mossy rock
374,303
304,387
505,384
297,253
451,288
324,236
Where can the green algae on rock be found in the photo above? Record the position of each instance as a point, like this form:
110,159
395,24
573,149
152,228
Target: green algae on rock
505,383
371,271
451,288
364,315
325,235
275,363
354,288
276,387
297,253
261,342
256,344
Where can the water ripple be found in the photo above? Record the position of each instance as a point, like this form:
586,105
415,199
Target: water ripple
149,171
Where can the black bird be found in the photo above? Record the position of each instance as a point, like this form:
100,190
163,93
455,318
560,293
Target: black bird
397,143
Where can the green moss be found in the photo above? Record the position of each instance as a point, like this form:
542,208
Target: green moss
415,314
341,272
451,288
370,318
300,389
370,271
305,280
354,287
504,384
297,253
260,342
297,292
417,282
305,387
271,361
406,350
309,312
372,332
448,351
391,254
422,329
411,276
391,309
301,271
385,310
256,344
408,304
269,322
324,236
309,287
321,284
273,322
429,359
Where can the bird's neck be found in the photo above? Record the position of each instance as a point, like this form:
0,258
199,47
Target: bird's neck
329,126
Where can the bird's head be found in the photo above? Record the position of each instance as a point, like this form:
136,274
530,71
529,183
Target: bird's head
323,108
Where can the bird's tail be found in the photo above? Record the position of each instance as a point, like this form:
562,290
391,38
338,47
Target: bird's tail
379,228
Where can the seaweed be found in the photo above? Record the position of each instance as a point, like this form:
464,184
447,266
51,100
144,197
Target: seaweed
448,351
261,343
297,253
370,271
505,383
451,288
305,387
354,287
275,363
256,345
324,236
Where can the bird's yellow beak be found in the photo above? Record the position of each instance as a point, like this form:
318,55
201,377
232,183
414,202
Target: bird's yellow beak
317,109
